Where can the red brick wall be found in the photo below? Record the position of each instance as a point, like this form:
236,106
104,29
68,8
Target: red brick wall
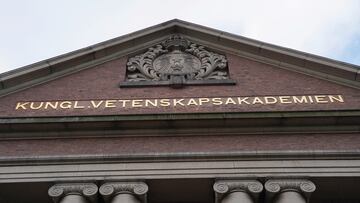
252,78
186,144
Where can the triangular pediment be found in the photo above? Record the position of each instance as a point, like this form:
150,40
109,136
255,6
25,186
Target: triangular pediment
179,67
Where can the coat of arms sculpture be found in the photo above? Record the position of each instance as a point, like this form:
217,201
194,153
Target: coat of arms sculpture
177,62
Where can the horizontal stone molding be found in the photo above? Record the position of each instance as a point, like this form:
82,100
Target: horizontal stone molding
272,155
157,124
180,169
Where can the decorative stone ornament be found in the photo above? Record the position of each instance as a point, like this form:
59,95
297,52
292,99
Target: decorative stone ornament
177,62
112,189
276,186
224,187
86,190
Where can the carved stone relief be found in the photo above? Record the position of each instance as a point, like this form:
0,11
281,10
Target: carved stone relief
177,61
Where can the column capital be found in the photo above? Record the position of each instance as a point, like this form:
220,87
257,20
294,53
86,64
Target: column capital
223,187
302,186
138,189
87,190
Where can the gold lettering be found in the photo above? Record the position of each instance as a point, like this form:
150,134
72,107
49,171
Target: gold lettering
311,99
257,100
96,105
241,100
302,99
164,102
285,99
217,101
137,103
76,106
154,103
65,105
110,103
21,105
320,99
178,101
203,100
123,102
32,105
338,98
229,100
298,99
270,100
52,105
192,102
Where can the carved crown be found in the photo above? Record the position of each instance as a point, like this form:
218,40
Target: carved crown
176,41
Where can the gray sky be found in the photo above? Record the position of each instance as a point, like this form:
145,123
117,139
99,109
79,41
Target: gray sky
34,30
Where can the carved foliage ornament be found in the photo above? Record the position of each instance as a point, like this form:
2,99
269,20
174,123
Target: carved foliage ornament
177,61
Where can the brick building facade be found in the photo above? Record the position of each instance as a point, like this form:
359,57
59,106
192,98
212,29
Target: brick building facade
181,113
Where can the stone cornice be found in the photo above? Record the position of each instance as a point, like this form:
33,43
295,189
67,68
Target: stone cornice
155,125
195,156
184,116
33,171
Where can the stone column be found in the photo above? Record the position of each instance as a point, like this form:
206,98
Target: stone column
124,192
237,191
289,190
73,193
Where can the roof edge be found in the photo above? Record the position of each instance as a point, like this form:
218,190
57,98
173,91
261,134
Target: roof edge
342,72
